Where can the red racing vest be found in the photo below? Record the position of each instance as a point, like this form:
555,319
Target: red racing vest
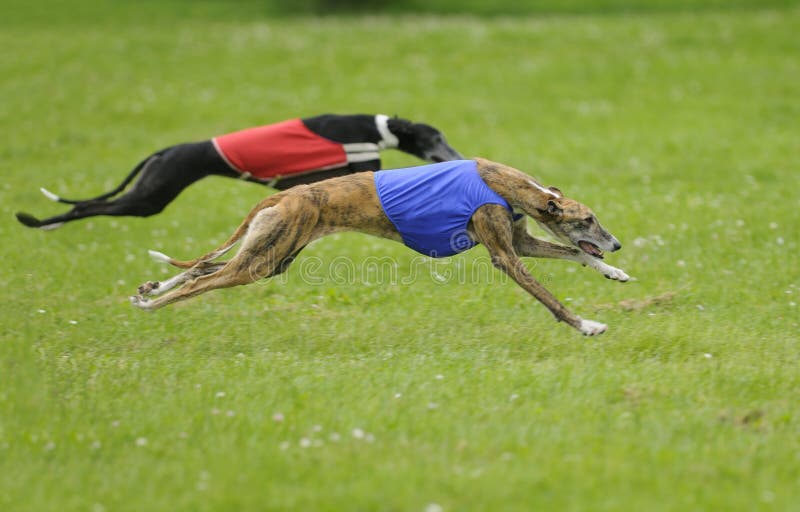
281,149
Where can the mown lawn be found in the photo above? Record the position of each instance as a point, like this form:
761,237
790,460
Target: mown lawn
331,390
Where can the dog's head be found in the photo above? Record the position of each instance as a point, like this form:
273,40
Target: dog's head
422,140
573,223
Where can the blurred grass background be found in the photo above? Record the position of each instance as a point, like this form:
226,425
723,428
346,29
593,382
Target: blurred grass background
675,121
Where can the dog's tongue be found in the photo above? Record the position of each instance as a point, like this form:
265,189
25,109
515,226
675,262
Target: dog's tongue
590,249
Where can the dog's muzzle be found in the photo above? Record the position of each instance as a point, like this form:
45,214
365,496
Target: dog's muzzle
590,249
593,250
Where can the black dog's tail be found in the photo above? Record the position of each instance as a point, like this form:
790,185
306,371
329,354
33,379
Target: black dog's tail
136,170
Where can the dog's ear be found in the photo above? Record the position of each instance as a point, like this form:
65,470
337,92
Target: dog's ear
556,191
553,209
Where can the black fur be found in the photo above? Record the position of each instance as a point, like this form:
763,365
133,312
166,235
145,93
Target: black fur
164,174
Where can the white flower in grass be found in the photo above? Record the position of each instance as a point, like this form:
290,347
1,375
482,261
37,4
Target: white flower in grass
305,442
433,405
220,394
707,356
398,395
433,507
277,417
439,377
358,433
230,414
41,311
284,446
141,441
334,437
73,322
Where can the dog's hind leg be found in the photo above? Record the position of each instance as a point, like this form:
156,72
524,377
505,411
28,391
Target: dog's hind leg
493,228
159,287
161,178
90,207
126,205
140,167
274,238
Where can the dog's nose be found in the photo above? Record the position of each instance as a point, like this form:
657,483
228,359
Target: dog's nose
617,245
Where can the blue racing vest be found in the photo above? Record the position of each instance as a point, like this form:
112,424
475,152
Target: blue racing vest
431,205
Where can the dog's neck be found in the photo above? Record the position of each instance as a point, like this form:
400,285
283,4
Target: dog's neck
516,187
388,139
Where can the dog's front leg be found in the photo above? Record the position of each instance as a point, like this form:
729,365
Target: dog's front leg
617,274
493,229
527,246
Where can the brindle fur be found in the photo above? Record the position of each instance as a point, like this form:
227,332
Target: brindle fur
278,228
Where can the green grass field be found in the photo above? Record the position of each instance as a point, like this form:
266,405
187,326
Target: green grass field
325,391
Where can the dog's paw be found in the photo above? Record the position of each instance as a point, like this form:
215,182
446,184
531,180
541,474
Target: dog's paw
617,274
590,327
607,270
149,288
140,302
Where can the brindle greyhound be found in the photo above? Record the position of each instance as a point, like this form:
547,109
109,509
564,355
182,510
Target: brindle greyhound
280,155
281,225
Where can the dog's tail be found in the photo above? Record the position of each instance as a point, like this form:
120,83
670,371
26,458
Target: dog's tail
228,244
136,170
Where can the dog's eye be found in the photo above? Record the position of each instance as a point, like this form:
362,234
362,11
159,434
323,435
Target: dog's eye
589,220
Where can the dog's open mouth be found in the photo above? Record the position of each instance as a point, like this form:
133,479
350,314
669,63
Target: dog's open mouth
590,249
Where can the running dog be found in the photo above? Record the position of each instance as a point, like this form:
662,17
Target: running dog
437,210
280,155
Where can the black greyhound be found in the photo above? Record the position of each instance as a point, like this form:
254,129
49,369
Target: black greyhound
280,155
